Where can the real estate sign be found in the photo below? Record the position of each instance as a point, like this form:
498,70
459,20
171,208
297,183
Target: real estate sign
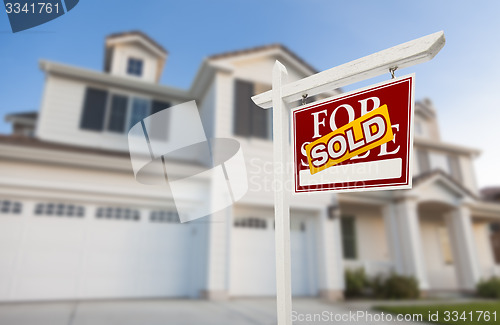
361,140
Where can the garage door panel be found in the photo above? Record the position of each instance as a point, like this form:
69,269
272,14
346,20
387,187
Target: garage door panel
44,287
105,263
163,264
156,284
7,259
49,257
299,263
253,258
110,286
103,236
10,230
43,262
44,231
5,284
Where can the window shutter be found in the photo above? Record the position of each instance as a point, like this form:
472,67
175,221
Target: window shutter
242,108
118,113
94,108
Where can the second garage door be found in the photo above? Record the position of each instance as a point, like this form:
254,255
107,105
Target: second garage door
253,254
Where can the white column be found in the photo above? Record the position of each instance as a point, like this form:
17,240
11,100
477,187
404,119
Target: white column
330,259
411,242
389,212
459,224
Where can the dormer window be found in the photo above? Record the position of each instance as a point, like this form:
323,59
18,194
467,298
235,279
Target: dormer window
134,67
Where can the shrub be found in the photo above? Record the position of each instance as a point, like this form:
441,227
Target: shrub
355,282
395,287
489,288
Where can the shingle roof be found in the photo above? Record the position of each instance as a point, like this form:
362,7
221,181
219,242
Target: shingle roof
262,48
138,33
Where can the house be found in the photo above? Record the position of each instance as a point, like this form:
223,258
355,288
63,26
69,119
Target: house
74,223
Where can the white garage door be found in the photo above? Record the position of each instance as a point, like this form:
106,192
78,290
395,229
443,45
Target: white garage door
67,251
253,256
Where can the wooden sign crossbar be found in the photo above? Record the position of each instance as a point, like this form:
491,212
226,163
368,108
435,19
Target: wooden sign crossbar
400,56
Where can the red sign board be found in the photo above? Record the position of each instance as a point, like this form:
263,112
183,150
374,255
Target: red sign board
357,141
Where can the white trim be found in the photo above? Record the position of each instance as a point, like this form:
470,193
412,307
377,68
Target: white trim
446,182
85,160
114,81
136,38
431,143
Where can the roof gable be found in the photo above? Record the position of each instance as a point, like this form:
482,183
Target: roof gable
273,50
439,186
138,37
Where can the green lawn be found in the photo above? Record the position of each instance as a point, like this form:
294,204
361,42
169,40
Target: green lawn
467,313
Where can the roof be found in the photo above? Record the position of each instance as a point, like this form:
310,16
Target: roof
28,115
22,118
440,145
491,193
425,176
274,46
137,33
107,79
19,140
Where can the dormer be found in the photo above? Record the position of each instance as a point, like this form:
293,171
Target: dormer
238,75
134,55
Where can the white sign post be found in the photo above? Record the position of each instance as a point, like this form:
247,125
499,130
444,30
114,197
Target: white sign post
400,56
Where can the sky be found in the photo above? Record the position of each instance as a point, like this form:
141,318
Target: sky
462,80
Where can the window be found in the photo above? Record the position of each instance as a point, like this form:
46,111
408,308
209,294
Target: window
424,164
59,210
158,133
454,166
117,213
94,108
418,128
140,109
159,106
348,227
256,223
10,207
164,216
249,119
118,114
134,67
444,240
122,111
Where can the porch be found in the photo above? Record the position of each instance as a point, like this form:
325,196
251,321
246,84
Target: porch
437,232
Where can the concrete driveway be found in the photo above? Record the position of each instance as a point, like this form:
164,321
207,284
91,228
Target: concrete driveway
180,312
